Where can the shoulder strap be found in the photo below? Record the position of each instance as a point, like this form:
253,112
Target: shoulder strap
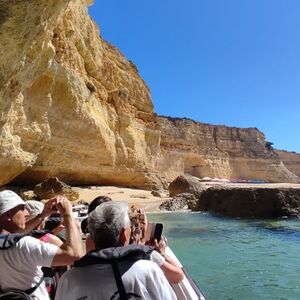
26,292
31,290
14,294
119,282
6,242
9,240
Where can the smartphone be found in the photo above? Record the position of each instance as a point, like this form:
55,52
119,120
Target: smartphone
158,231
154,231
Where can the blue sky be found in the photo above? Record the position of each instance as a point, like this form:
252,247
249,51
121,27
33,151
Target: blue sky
231,62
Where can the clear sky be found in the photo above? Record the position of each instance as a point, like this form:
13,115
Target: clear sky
231,62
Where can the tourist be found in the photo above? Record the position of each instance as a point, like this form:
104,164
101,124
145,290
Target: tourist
89,244
55,224
138,220
35,208
96,202
53,274
21,263
100,275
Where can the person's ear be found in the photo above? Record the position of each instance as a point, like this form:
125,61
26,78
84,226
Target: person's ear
8,216
123,236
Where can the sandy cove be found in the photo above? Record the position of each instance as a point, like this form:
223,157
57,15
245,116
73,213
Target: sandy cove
138,197
144,198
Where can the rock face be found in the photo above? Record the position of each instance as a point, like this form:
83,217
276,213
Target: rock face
218,151
251,202
181,202
185,184
71,105
53,187
291,160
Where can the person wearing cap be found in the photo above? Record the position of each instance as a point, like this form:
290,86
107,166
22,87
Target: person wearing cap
35,208
129,278
21,264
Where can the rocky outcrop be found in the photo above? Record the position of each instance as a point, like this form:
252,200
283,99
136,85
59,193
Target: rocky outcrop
181,202
237,200
218,151
291,160
72,105
251,202
54,187
185,184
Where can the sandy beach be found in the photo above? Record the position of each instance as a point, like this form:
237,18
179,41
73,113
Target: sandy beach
144,198
138,197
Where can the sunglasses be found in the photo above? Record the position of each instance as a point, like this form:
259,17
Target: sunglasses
20,207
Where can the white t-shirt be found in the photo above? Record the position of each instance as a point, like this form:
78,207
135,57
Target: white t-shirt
144,279
21,265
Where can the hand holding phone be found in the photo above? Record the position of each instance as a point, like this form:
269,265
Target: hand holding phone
154,231
158,231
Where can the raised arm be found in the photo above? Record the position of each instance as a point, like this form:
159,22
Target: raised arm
171,269
71,249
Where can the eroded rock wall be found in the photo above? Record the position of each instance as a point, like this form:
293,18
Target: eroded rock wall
72,105
218,151
291,160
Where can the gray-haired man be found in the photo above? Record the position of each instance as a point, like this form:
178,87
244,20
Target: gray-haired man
115,270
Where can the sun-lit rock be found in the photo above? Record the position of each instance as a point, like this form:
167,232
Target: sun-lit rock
72,105
210,151
291,160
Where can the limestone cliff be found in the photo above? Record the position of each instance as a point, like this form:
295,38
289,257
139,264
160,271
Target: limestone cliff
72,106
291,160
218,151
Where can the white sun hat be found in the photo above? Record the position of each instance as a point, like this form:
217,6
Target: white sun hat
8,201
34,208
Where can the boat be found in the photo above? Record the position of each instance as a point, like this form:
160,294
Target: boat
187,289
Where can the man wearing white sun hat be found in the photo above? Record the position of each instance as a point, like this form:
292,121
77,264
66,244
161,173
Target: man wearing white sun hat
21,263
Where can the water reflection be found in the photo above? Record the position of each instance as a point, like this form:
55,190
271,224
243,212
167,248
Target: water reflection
283,229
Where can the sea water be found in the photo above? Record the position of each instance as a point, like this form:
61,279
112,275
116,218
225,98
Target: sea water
236,259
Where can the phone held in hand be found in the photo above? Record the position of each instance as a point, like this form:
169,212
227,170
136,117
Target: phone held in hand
158,231
154,231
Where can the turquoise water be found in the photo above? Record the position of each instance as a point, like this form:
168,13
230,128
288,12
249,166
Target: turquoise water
235,258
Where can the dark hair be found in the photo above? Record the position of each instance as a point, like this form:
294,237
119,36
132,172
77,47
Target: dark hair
96,202
53,222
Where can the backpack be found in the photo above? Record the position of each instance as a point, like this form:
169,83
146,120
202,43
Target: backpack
7,241
121,260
